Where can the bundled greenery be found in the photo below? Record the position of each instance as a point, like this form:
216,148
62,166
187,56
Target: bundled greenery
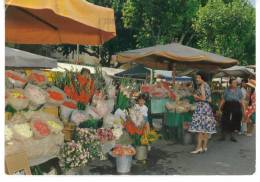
122,101
100,83
91,123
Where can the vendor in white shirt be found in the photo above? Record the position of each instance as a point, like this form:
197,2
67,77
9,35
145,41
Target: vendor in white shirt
141,107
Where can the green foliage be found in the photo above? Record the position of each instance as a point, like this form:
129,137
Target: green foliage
160,21
227,28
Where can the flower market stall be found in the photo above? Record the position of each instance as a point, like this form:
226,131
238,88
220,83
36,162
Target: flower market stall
41,106
176,58
72,117
172,106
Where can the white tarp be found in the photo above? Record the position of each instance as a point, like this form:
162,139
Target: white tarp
236,71
20,59
73,67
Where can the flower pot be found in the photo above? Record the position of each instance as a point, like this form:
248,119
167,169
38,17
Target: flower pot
141,152
123,164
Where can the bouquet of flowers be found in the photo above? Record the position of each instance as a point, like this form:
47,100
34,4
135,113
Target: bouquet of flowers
135,132
105,135
22,131
40,128
100,82
36,95
17,99
73,155
66,109
56,96
149,137
55,126
76,87
141,135
121,150
117,132
90,142
123,95
17,79
38,77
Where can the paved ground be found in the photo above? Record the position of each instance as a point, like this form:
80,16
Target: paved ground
167,158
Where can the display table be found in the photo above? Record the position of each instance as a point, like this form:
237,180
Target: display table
174,121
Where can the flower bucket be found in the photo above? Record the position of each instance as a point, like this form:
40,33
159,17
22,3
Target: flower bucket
187,138
65,113
123,163
68,131
141,152
8,116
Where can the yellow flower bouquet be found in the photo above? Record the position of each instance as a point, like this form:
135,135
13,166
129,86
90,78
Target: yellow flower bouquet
149,137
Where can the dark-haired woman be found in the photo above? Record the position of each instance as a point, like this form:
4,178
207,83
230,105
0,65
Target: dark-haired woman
231,106
203,121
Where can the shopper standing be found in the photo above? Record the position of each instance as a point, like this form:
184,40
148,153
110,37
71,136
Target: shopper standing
250,110
245,103
231,106
203,121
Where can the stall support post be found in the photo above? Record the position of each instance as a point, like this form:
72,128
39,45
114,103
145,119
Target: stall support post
77,53
174,74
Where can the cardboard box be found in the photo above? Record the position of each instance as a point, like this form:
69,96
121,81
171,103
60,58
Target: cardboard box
17,164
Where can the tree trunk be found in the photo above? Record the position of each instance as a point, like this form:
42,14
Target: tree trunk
190,39
182,37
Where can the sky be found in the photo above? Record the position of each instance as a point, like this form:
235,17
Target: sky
253,2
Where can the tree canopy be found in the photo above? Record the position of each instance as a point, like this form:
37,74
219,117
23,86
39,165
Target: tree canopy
225,27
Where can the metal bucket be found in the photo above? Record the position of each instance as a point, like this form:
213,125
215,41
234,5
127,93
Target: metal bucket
141,153
123,164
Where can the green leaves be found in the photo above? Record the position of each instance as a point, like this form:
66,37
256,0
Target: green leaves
227,28
160,21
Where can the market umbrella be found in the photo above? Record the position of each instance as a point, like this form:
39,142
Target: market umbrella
21,59
236,71
137,71
58,22
164,56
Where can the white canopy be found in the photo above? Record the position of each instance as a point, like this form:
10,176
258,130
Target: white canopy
236,71
22,59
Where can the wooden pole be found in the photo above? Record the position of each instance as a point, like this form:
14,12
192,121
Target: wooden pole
174,74
77,53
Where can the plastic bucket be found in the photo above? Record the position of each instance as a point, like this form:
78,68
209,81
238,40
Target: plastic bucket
141,153
123,164
187,138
